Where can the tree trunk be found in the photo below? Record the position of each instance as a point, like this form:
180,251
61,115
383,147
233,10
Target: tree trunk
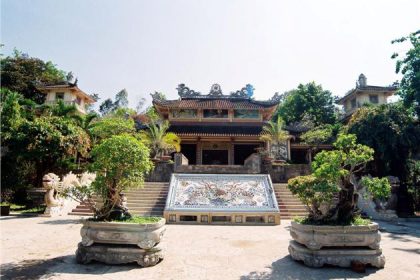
347,202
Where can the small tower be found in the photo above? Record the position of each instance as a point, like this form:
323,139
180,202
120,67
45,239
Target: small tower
362,80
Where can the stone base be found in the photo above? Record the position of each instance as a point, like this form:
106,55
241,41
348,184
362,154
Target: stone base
341,257
118,254
53,211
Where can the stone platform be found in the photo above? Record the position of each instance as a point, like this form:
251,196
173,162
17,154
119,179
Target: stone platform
222,199
338,256
118,254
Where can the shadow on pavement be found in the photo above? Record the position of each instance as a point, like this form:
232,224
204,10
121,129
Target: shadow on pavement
287,268
35,269
62,222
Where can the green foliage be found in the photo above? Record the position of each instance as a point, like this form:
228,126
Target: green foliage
160,141
333,173
120,162
312,191
273,132
11,114
142,220
324,134
108,126
109,106
413,181
357,221
392,132
409,66
20,73
378,187
308,101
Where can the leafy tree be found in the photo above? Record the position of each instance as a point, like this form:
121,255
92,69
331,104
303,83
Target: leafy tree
11,114
409,66
310,101
49,143
334,172
392,132
160,141
21,73
121,99
106,107
109,126
120,162
324,134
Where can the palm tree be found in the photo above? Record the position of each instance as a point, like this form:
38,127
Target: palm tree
275,136
273,132
160,141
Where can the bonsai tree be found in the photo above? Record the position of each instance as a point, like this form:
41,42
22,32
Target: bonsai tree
330,192
160,141
274,134
120,162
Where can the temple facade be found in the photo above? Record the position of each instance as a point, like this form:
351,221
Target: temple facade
218,129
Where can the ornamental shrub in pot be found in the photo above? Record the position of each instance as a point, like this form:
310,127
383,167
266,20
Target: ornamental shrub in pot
330,194
120,162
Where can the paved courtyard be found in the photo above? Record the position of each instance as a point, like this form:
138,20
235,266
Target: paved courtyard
43,248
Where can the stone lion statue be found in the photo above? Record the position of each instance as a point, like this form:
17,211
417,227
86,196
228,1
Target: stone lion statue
55,187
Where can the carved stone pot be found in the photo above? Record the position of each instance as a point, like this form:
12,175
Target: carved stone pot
316,237
117,243
145,236
336,245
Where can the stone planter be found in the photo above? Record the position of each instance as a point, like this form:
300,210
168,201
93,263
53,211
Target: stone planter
145,236
316,237
336,245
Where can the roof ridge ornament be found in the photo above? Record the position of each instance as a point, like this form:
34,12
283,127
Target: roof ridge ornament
184,91
216,90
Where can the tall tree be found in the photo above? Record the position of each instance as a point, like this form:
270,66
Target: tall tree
308,101
409,66
21,73
391,132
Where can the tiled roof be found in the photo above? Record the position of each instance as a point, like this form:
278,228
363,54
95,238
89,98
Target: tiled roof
215,104
65,85
368,88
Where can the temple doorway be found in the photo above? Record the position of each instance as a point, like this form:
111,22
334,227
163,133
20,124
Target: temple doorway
243,151
190,152
216,157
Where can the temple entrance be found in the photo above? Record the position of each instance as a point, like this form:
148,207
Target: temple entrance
242,151
190,152
215,157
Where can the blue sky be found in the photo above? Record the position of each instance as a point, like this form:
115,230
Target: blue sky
147,46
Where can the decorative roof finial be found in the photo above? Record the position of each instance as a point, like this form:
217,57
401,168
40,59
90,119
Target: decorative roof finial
362,82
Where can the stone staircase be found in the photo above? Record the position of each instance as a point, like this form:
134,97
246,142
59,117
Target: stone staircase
149,200
146,201
290,206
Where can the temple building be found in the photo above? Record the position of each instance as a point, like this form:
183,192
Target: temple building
217,129
68,93
365,94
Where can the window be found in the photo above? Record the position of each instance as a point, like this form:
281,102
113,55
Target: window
246,114
373,99
59,95
184,113
353,103
215,113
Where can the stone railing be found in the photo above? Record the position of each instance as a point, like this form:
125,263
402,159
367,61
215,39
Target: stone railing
252,165
282,173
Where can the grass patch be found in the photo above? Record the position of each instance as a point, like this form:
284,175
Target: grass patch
24,209
133,220
142,220
357,221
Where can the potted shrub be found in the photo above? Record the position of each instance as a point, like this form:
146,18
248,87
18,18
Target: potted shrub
120,162
333,233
